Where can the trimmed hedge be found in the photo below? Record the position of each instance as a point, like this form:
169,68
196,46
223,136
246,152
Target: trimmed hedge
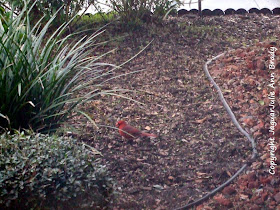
42,171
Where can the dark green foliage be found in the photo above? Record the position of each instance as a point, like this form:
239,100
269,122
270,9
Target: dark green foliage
4,18
135,12
49,171
166,7
40,73
66,9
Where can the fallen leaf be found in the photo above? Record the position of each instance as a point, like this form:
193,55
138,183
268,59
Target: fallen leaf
163,152
159,187
201,120
229,190
261,102
243,197
201,174
277,197
147,128
223,201
198,180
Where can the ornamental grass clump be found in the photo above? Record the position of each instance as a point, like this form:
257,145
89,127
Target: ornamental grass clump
49,172
42,73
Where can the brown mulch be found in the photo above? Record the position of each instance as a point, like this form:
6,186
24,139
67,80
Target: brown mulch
244,75
198,147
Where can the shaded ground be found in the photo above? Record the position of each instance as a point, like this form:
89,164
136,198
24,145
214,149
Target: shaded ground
198,147
244,75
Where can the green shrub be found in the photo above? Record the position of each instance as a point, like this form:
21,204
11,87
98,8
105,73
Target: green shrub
42,73
66,9
50,172
138,11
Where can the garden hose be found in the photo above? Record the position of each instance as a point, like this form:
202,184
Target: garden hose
233,118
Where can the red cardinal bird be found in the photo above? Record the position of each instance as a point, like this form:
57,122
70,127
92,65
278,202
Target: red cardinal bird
130,132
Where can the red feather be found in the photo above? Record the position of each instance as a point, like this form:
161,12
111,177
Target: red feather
129,132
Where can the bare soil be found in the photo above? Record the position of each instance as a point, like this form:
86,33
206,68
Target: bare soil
198,147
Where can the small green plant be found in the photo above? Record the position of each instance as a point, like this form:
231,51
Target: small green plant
86,21
50,172
231,39
41,74
103,17
163,8
200,31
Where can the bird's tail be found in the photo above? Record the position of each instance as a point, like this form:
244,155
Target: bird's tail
149,134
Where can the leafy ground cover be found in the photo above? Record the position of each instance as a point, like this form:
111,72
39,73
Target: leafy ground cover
198,147
46,172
